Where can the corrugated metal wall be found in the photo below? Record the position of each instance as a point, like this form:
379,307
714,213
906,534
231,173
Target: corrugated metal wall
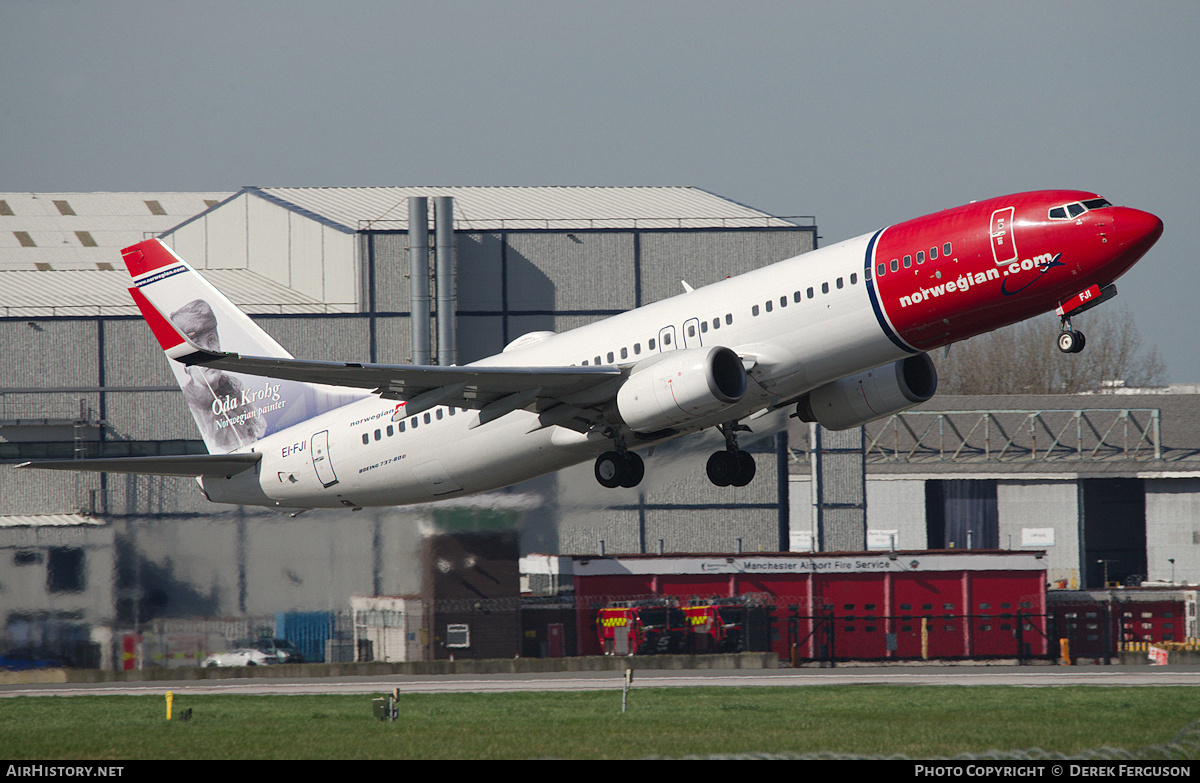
676,503
49,353
236,562
840,496
703,257
1173,528
514,282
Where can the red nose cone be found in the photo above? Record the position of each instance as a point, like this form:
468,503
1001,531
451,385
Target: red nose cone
1137,231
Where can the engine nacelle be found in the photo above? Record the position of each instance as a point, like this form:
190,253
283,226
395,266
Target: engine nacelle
679,387
867,396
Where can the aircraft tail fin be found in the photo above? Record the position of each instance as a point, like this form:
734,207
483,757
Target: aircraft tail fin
186,312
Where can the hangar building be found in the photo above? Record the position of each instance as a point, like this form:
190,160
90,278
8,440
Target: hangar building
1105,485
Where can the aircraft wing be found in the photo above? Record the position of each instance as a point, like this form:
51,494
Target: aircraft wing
172,465
423,387
480,385
494,391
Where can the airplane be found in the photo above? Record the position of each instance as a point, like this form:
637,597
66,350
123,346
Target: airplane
841,334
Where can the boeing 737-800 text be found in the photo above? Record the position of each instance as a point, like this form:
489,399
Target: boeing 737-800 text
840,334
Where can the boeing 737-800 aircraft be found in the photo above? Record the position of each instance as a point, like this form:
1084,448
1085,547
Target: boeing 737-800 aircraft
839,334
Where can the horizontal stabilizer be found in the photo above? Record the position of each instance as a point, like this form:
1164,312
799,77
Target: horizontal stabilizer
173,465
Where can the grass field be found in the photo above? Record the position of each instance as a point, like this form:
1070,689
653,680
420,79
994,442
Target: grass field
914,722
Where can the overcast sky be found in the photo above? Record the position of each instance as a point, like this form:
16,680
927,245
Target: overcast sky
862,114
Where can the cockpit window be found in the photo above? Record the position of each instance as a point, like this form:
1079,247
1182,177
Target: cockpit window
1078,208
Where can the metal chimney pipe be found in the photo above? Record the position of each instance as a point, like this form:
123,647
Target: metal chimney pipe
418,276
447,276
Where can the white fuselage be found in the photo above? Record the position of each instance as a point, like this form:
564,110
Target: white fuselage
360,455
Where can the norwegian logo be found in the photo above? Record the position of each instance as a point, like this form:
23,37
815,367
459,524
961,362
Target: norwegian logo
1043,264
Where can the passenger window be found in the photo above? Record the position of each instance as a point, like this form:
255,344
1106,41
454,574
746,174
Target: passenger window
933,253
946,249
438,413
366,438
585,362
426,418
624,353
378,434
824,288
413,422
796,297
907,263
728,319
704,327
783,301
451,413
598,361
611,358
895,266
854,278
881,270
400,425
390,431
754,310
810,293
667,338
691,330
716,323
769,305
637,348
651,343
839,282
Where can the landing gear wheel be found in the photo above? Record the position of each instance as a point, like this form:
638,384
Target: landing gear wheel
610,469
745,469
635,470
722,468
1071,342
614,469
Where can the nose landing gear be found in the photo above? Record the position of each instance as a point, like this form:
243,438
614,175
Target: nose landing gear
1070,340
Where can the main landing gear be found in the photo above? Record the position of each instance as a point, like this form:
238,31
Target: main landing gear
1069,339
731,467
619,469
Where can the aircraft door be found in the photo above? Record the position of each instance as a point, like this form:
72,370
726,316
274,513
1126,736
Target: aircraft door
666,339
691,333
1004,246
320,458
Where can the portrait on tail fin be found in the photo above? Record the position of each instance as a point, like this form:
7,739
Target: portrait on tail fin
214,396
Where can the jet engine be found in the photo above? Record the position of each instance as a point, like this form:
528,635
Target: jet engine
680,386
867,396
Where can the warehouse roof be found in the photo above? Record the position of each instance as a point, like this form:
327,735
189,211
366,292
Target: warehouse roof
498,208
86,231
60,252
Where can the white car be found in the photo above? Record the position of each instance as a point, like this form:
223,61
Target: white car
241,656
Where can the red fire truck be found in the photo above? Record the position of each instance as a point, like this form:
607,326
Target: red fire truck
647,627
